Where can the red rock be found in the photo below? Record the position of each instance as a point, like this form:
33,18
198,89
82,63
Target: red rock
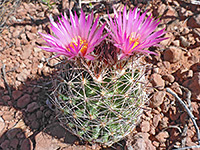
157,81
32,117
12,133
168,41
35,125
23,101
190,133
5,144
28,27
16,94
26,144
31,36
173,113
27,49
161,9
176,88
162,136
173,54
32,107
196,111
145,126
194,21
184,42
8,116
168,77
48,113
16,33
152,130
190,143
43,141
66,5
39,114
171,12
157,98
6,98
176,43
155,143
194,85
164,123
22,76
193,59
141,142
14,143
184,117
186,74
156,120
34,30
195,67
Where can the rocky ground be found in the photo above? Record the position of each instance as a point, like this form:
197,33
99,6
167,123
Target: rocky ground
27,122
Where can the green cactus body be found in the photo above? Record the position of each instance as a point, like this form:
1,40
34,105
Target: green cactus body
100,103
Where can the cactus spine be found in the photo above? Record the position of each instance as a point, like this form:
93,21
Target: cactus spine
98,101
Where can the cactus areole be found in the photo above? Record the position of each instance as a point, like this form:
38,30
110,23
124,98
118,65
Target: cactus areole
99,89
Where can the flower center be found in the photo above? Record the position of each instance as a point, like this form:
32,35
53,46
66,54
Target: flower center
134,38
83,43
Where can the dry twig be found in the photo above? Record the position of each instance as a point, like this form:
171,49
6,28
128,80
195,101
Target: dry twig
190,115
3,74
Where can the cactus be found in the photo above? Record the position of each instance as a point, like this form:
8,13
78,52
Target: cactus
100,87
100,102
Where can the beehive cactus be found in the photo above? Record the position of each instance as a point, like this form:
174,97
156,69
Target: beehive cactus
99,89
100,107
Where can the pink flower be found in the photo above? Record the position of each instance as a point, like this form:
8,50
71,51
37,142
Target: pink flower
75,38
133,33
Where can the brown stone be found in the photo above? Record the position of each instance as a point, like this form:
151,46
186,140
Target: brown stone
23,101
31,36
168,41
194,21
39,114
156,120
145,126
186,74
183,118
173,54
176,88
5,144
8,116
142,142
14,143
26,144
171,12
43,141
157,98
168,77
184,41
6,98
162,136
173,113
12,133
27,49
195,67
35,124
32,107
16,94
157,81
194,85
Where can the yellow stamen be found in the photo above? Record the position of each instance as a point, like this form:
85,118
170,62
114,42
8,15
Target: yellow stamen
134,39
82,42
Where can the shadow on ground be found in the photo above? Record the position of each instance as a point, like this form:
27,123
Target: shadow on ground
27,122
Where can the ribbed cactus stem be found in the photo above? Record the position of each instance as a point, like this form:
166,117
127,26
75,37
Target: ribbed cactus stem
100,102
